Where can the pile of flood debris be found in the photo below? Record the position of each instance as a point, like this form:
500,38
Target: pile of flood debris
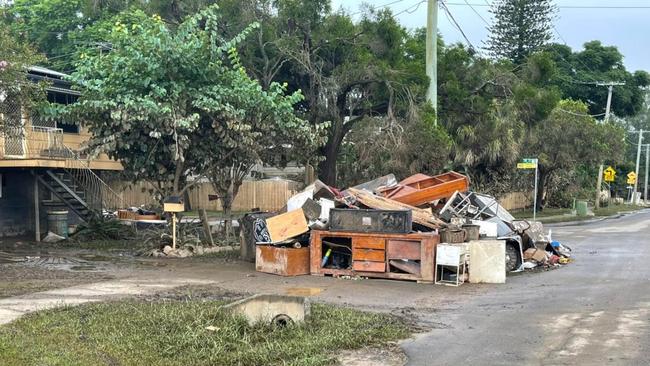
424,228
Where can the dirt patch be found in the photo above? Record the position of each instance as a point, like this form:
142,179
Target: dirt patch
19,279
194,293
388,355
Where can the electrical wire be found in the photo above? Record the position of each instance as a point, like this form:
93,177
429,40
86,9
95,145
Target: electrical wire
411,9
570,6
380,6
477,13
581,114
456,25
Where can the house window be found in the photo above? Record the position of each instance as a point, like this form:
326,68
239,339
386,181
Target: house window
65,99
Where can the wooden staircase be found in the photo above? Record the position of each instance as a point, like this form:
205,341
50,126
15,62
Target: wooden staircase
63,186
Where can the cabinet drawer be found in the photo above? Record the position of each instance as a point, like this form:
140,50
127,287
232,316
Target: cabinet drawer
369,255
365,266
368,243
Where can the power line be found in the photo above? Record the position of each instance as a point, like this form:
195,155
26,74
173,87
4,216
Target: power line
455,23
581,114
477,13
411,8
380,6
570,6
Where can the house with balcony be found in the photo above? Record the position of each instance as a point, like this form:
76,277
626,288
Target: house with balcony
43,166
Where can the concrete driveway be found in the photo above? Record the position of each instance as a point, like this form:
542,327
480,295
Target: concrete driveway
595,311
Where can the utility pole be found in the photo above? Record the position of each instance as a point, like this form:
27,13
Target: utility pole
432,54
599,186
610,88
608,108
638,160
647,165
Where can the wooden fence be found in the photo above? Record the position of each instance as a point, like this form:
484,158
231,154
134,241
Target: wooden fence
267,195
516,201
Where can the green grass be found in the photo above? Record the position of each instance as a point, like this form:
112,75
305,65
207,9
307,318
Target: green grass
174,333
547,212
558,215
616,209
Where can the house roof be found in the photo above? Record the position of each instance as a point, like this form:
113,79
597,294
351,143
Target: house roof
46,71
57,79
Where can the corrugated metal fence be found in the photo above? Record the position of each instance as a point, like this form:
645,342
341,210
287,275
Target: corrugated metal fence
267,195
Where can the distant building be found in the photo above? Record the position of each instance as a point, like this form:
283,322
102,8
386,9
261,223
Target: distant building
42,167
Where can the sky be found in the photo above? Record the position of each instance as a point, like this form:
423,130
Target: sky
578,21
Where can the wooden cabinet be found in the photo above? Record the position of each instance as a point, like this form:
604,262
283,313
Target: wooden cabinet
394,256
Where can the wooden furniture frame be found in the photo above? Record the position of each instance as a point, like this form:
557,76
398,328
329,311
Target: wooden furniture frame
372,253
421,189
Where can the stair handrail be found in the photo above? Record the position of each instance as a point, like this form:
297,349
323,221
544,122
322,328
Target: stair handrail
93,178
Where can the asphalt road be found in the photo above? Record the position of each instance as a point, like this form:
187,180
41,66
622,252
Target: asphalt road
595,311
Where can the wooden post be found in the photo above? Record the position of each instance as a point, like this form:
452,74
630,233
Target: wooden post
37,214
254,183
174,230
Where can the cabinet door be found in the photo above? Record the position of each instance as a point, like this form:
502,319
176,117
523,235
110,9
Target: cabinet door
404,249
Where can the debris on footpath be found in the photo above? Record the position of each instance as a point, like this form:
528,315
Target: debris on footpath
429,229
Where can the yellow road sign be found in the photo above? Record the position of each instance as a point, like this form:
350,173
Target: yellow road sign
631,178
609,174
526,165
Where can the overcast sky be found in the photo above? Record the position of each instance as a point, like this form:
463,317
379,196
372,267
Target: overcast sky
628,29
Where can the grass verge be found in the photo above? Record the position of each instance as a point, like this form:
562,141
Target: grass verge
186,333
559,215
617,209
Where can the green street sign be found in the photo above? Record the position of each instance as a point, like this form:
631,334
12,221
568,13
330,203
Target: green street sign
527,164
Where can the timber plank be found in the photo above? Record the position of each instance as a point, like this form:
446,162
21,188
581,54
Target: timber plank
287,225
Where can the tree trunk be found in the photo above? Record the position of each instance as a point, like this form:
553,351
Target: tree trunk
541,188
327,167
226,204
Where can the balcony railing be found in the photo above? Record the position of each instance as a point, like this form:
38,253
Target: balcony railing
34,142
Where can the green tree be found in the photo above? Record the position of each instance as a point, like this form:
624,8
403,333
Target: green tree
350,71
520,28
580,72
47,24
172,103
570,138
16,91
378,146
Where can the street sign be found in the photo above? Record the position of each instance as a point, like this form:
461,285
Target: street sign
609,174
631,178
531,164
527,164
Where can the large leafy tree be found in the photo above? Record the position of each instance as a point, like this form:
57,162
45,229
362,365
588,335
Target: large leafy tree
570,138
488,106
346,70
580,72
174,103
16,91
47,24
520,28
